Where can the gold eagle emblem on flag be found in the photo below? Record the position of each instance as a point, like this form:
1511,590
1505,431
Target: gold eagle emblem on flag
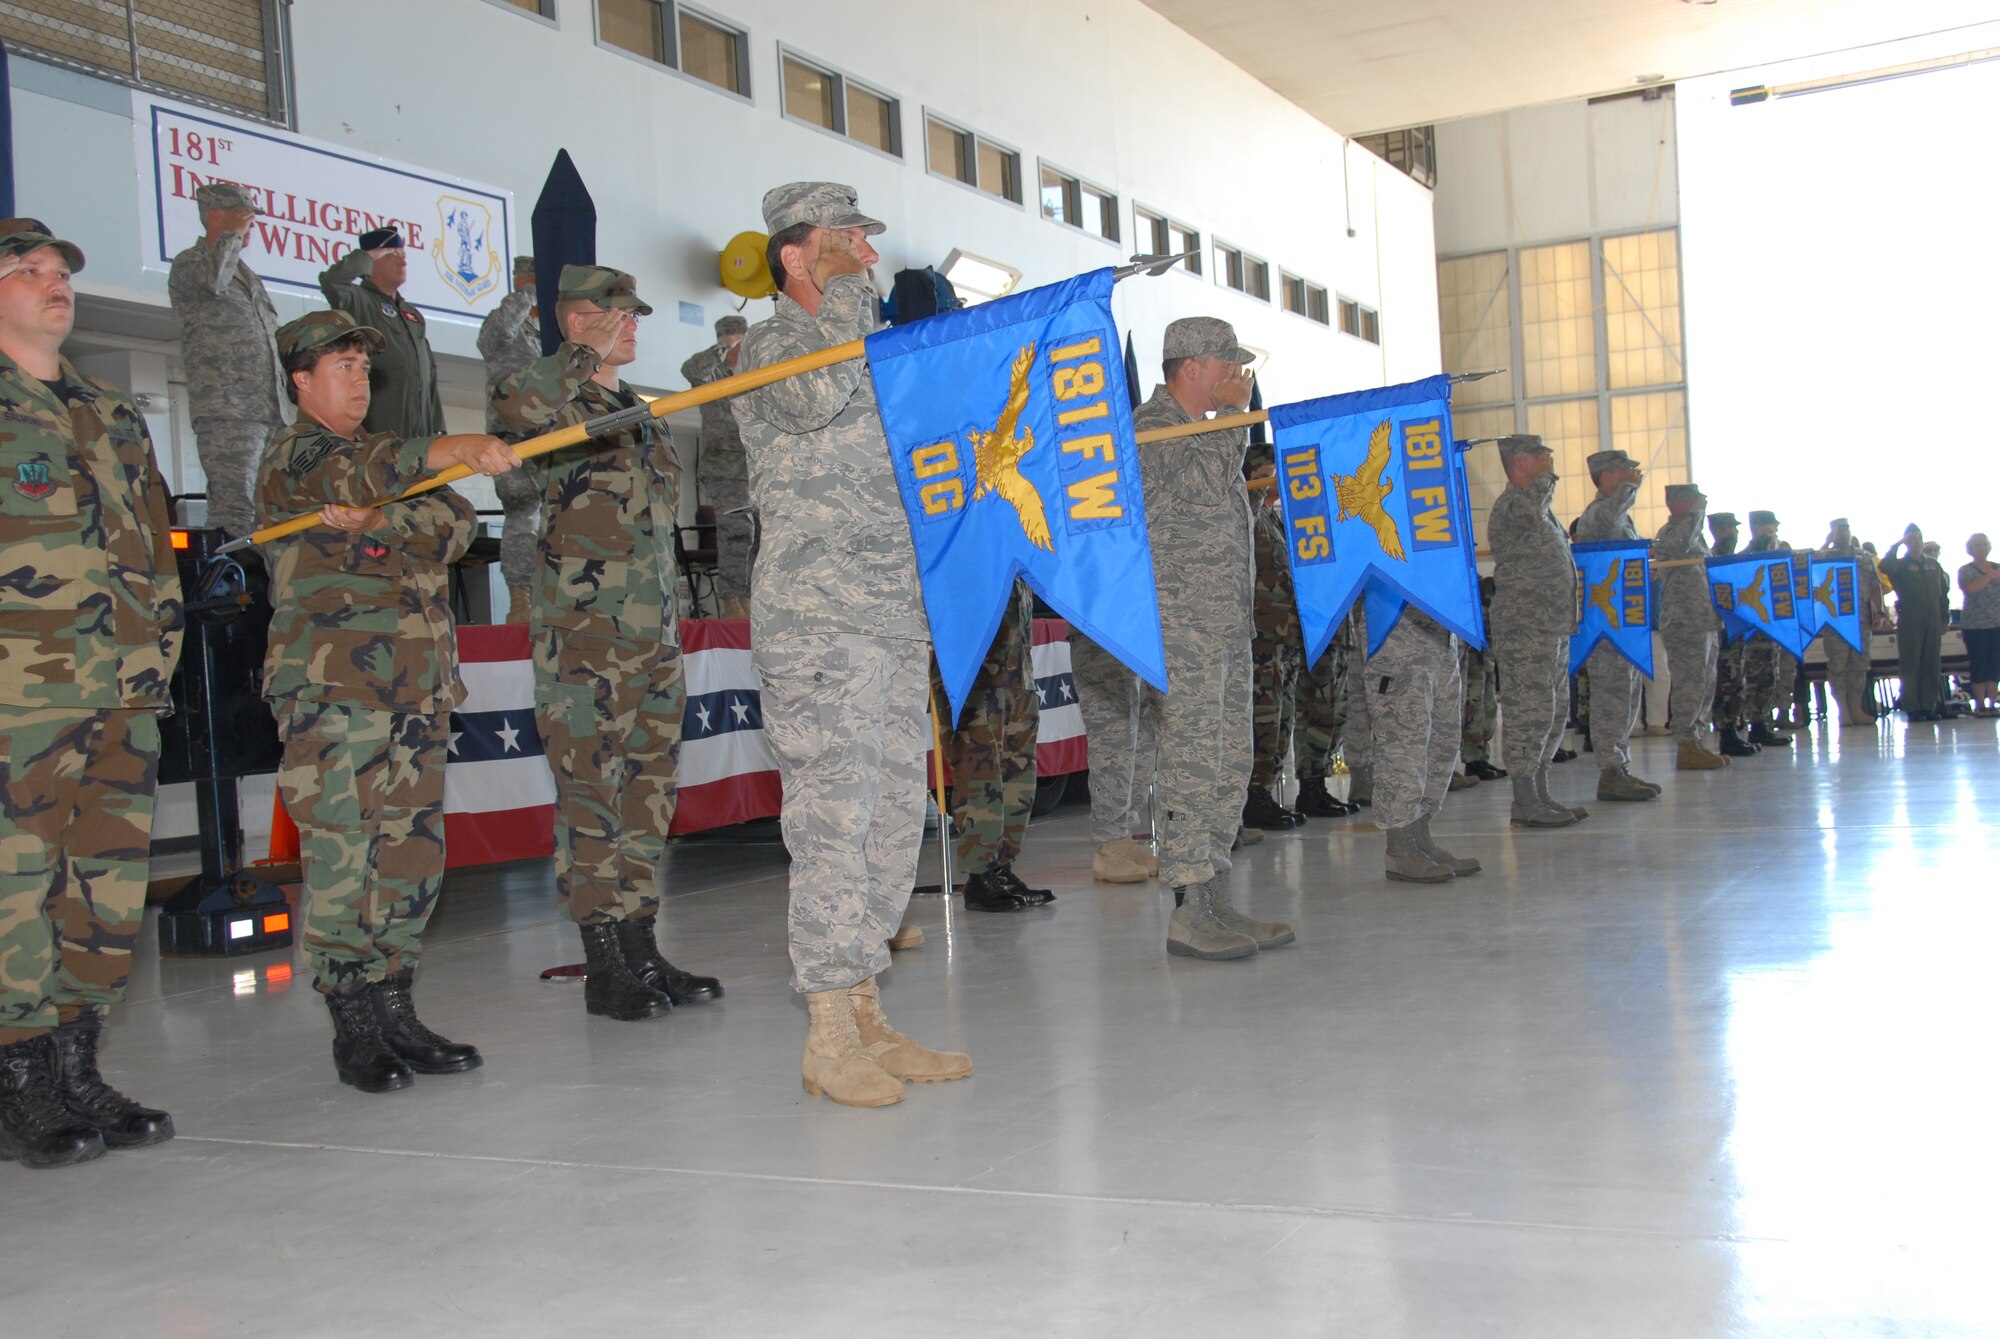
1360,494
996,456
1604,595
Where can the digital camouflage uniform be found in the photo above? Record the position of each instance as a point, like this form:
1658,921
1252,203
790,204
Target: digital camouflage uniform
842,648
1847,668
1614,680
1121,731
608,690
1415,700
1482,706
229,352
90,628
362,670
1534,613
1689,625
1198,517
402,378
723,476
991,753
510,338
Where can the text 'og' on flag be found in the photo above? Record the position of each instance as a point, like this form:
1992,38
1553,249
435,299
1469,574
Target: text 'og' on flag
1616,577
1010,429
1375,499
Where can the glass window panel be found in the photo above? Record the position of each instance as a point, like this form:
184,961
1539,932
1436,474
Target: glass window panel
532,6
1371,325
1186,240
1293,290
1652,429
1569,428
1642,309
949,151
999,172
1483,475
1100,213
1558,329
1258,275
638,26
710,53
1476,326
808,93
1055,195
1316,304
871,119
1154,233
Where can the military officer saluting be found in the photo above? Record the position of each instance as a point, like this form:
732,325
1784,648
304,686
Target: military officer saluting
363,673
1689,625
90,627
1614,680
367,284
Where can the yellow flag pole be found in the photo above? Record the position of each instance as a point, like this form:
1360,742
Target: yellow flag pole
597,427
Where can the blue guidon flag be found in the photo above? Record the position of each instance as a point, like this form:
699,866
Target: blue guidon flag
1375,502
1010,428
1754,593
1835,600
1617,581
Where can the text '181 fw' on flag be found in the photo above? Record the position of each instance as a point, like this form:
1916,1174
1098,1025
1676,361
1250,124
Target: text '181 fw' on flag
1010,428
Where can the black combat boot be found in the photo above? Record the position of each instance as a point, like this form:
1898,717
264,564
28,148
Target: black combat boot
36,1129
122,1122
1734,746
638,940
361,1055
982,893
613,989
1005,877
1485,770
1261,811
1763,735
416,1045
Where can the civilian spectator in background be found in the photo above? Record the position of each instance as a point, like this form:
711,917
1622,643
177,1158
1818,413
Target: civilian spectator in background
1979,581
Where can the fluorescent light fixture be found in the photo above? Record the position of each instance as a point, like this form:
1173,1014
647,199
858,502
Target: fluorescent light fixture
978,279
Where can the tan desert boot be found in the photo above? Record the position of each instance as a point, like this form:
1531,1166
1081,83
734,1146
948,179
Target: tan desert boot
520,602
736,606
906,936
1692,757
836,1063
1117,861
897,1055
1146,858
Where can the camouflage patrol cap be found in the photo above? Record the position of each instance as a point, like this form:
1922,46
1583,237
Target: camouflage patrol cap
225,195
317,329
1719,521
823,204
379,239
731,325
20,236
596,283
1763,518
1601,461
1520,444
1685,493
1196,336
524,265
1838,523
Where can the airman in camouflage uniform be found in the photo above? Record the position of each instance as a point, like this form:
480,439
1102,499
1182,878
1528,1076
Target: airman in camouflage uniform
1730,716
509,339
722,473
366,283
90,628
1614,680
1768,668
1482,702
1321,716
362,671
841,645
1198,519
1120,729
1277,656
1689,625
1847,668
1534,613
608,688
230,352
1415,711
991,756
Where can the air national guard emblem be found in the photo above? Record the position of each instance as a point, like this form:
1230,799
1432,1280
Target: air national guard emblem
460,250
31,480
